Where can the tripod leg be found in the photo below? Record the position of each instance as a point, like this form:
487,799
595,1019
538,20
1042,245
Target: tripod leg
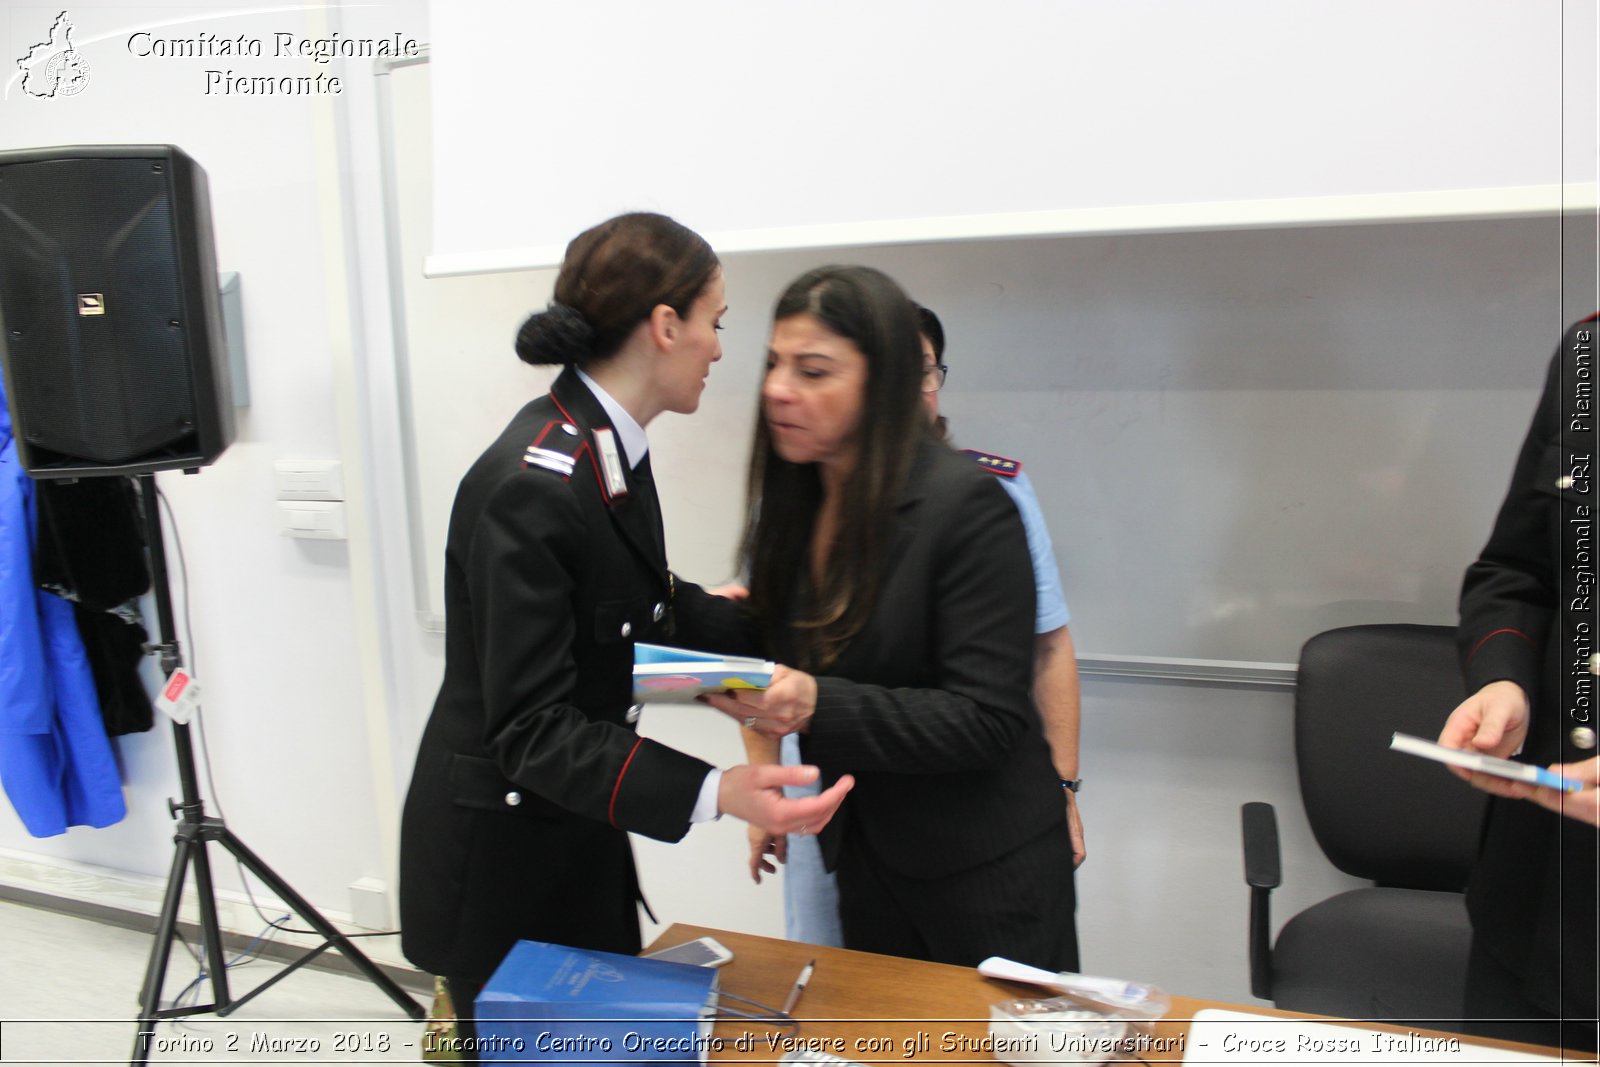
216,957
322,926
161,952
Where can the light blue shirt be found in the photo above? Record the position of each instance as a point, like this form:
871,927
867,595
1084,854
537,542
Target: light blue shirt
629,432
1051,610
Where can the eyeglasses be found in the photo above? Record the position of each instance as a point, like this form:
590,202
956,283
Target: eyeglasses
933,376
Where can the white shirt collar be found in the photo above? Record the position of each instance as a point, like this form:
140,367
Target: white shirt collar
634,442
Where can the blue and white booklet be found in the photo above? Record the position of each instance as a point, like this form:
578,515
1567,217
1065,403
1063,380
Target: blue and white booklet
1477,761
677,675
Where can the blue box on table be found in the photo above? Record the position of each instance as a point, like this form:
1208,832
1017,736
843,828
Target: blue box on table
553,1003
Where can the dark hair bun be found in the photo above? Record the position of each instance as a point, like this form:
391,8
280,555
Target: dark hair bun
559,334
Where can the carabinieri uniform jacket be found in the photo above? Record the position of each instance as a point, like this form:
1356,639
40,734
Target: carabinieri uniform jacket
530,770
1533,892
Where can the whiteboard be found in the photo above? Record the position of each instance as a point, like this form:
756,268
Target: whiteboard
1239,438
768,124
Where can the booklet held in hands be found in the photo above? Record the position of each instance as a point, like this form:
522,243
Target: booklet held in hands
677,675
1477,761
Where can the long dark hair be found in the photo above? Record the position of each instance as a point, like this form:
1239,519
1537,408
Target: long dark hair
866,307
612,276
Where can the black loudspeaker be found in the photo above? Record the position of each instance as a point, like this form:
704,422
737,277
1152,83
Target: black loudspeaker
110,324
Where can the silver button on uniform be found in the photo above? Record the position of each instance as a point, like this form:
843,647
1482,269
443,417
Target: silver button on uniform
659,611
513,798
633,714
569,429
627,628
1583,737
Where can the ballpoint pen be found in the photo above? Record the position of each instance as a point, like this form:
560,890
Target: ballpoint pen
799,987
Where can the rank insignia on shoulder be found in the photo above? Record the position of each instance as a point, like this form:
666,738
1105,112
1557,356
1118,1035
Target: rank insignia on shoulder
554,450
1008,468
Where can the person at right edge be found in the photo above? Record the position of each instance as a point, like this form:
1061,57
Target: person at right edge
1532,894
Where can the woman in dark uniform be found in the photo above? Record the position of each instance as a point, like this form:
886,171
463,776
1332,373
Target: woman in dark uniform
1532,897
530,772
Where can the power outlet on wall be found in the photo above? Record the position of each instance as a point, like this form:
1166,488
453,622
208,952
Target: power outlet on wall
369,904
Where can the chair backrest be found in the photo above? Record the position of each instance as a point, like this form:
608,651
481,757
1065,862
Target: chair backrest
1379,814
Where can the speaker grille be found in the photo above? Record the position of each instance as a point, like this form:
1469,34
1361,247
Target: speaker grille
93,308
110,323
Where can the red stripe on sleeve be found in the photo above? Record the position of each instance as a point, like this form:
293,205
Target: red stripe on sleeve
1497,633
611,809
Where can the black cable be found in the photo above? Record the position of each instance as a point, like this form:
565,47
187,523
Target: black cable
352,937
191,660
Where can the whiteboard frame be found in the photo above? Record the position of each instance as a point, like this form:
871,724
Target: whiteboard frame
1442,205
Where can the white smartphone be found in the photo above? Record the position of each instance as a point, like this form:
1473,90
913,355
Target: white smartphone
702,952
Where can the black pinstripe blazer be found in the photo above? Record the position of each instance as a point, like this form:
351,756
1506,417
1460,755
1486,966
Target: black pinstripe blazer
929,705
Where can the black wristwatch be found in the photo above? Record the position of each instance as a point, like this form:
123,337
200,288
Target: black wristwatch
1071,785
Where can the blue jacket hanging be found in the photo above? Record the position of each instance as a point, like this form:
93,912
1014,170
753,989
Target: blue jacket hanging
56,762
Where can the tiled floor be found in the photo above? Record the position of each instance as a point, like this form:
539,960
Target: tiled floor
69,993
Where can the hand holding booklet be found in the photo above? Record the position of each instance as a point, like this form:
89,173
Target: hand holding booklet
677,675
1477,761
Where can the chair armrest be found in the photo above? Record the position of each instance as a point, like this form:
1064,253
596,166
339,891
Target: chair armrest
1262,867
1263,872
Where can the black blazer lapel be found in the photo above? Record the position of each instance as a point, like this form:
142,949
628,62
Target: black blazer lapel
908,509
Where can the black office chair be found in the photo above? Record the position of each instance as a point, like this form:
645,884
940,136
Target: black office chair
1396,950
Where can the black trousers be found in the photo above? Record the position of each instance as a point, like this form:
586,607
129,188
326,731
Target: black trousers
1020,906
1496,1007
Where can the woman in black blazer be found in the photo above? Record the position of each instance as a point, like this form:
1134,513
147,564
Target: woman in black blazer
530,772
895,576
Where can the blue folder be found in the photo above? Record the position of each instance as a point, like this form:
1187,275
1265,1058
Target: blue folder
552,1003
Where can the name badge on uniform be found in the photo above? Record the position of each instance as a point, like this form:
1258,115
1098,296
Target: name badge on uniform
605,443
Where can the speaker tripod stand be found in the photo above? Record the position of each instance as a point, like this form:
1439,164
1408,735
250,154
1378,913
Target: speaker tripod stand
196,830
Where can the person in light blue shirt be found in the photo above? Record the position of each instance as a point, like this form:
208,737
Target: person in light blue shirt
810,898
1052,614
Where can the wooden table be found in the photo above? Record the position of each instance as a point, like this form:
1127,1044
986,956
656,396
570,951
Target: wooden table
883,1009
